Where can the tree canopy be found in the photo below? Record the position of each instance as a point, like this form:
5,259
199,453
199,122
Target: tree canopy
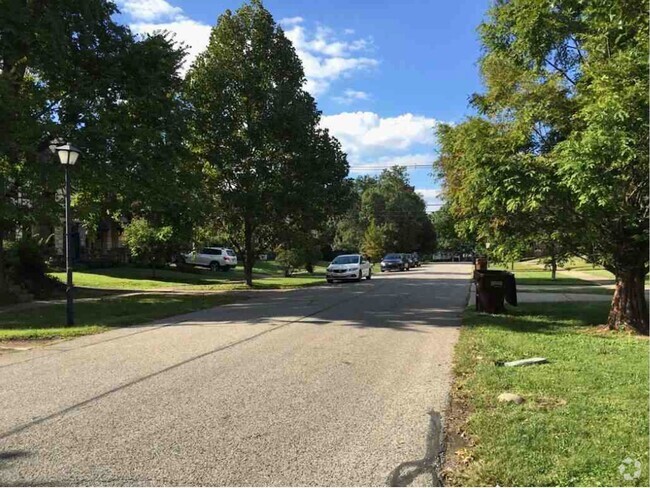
386,215
558,154
256,130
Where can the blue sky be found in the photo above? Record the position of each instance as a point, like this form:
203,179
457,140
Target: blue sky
383,72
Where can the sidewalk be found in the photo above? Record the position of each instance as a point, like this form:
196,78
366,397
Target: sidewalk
131,293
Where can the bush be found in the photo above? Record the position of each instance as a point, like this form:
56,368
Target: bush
289,259
150,244
26,268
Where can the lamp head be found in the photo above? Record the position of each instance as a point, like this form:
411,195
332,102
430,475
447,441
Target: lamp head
68,154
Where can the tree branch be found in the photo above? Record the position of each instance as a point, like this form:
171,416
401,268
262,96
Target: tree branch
562,72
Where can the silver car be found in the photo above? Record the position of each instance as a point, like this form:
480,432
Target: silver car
349,267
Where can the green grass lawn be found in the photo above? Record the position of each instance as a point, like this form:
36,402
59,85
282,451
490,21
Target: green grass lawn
266,275
529,273
92,317
582,290
585,411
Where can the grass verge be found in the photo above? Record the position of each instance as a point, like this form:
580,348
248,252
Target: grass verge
585,412
91,317
586,290
531,273
128,278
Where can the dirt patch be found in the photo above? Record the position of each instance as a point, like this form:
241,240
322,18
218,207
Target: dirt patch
457,441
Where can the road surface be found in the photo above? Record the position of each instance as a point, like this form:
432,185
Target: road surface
332,385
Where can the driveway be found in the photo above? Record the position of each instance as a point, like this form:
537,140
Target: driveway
333,385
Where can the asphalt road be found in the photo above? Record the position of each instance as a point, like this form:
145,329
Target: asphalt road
333,385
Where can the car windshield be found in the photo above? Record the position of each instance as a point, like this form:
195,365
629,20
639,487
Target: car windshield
392,256
346,260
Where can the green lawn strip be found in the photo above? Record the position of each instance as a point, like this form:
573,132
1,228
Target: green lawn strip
97,316
128,278
541,277
586,290
585,411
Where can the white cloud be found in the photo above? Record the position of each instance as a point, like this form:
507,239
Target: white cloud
149,16
194,35
290,21
429,193
149,10
432,197
362,132
411,161
349,96
326,58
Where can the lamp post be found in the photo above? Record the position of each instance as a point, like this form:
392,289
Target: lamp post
68,155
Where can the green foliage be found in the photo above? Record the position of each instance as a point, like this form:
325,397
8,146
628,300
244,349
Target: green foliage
26,267
397,212
447,237
374,242
557,161
69,72
256,130
289,259
149,244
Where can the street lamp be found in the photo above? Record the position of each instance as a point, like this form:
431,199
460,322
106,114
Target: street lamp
68,155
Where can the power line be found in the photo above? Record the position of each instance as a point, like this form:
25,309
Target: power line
378,167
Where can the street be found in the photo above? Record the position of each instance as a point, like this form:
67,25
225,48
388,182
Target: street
332,385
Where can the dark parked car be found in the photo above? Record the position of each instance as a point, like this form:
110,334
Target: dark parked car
416,259
395,262
410,260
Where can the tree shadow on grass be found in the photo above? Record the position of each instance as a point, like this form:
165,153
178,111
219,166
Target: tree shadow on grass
544,318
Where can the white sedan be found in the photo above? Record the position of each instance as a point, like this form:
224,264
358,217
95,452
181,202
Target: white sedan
349,267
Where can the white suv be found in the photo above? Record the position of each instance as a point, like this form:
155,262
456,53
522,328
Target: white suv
215,258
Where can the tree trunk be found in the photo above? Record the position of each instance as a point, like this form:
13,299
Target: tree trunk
629,308
249,253
553,267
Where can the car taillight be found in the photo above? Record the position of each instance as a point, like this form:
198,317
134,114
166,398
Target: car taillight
226,258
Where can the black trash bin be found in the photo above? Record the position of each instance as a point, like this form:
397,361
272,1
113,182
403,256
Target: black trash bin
492,287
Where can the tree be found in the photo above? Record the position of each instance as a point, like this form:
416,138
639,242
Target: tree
447,236
55,58
374,245
559,152
149,244
255,129
69,72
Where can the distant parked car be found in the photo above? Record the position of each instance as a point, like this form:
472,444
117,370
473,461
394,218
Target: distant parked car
395,262
410,260
215,258
349,267
416,259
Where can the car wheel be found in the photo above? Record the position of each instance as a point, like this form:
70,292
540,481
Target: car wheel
214,266
360,277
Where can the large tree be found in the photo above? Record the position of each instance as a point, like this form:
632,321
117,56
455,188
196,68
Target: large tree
257,131
561,144
386,213
69,72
